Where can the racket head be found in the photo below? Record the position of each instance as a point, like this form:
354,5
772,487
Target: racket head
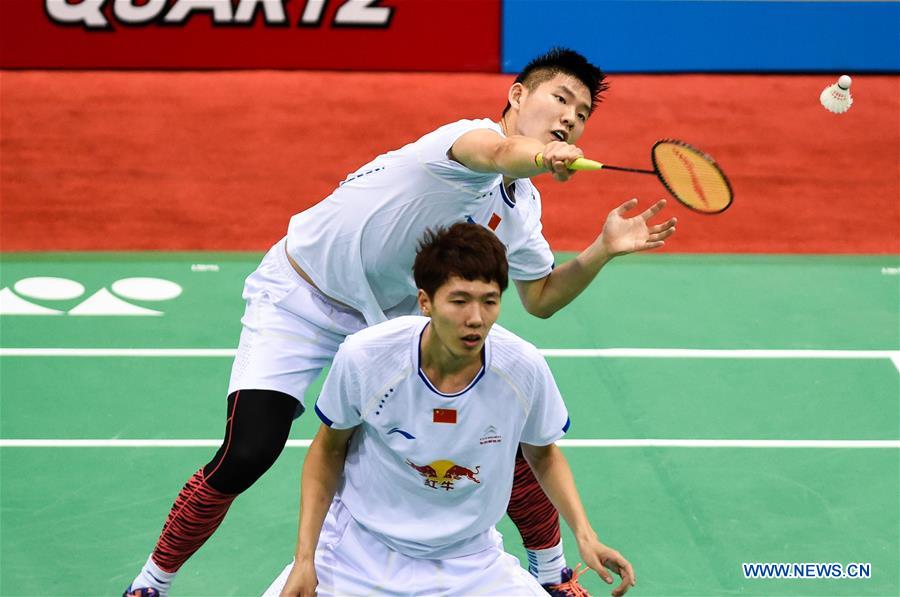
691,176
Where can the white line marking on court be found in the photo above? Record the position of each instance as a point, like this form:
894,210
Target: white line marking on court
726,443
700,353
117,352
666,353
565,443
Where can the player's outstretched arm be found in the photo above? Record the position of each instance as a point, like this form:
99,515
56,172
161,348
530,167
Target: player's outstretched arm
321,473
484,150
553,473
621,235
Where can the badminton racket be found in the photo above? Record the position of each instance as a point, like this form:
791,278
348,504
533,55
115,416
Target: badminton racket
691,176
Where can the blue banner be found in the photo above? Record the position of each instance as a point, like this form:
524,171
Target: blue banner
707,36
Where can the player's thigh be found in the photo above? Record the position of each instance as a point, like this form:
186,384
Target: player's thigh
341,569
282,350
491,572
290,330
351,561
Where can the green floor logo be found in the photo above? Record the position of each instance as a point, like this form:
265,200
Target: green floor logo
20,299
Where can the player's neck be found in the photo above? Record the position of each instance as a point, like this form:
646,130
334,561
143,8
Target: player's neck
508,123
508,126
448,372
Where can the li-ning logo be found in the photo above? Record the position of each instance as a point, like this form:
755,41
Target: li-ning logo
19,300
405,434
490,436
95,14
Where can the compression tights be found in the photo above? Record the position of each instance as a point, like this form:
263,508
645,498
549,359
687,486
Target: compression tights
256,430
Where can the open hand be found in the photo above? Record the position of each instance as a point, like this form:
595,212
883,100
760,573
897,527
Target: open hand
622,235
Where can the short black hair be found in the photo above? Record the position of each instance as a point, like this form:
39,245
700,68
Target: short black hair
566,61
469,251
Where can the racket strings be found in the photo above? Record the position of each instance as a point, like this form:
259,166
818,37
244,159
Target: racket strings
692,176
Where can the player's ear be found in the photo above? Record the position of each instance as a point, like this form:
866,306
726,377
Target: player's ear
515,95
424,303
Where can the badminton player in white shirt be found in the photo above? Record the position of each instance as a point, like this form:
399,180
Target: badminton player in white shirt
345,264
413,464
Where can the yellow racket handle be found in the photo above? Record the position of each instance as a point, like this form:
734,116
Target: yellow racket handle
578,164
585,164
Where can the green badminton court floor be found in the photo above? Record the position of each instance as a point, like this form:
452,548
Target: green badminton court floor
726,353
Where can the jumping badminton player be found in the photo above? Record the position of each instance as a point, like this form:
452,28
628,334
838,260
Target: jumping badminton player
346,264
413,464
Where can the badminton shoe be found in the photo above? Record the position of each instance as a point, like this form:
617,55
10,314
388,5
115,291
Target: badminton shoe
568,585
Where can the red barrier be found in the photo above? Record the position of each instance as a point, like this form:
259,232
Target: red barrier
222,160
422,35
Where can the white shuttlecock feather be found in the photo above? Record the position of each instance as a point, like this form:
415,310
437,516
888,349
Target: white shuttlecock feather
836,98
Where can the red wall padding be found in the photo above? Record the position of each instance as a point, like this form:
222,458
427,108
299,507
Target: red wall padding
220,161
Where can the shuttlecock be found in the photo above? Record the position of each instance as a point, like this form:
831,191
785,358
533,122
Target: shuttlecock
836,98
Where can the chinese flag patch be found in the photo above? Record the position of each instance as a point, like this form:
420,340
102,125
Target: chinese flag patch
495,221
445,415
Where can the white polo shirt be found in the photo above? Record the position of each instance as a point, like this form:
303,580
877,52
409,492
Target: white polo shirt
358,244
429,473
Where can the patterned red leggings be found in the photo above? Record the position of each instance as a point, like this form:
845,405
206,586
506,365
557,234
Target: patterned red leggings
256,430
530,509
247,453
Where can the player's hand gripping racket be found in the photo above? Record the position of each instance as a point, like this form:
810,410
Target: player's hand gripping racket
691,176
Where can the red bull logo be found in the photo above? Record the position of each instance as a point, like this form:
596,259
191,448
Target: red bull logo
443,473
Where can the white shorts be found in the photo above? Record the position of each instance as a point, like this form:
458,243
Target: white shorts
352,561
291,331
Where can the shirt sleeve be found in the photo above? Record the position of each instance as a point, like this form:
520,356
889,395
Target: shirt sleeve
548,418
432,151
339,403
533,258
530,256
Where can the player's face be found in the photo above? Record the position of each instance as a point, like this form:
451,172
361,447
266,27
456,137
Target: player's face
555,110
462,313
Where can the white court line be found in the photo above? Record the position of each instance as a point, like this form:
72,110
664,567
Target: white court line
701,353
670,353
564,443
117,352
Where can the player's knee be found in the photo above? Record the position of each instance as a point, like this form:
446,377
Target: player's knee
254,439
243,464
255,456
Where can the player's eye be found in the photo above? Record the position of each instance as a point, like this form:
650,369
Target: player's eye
561,99
582,117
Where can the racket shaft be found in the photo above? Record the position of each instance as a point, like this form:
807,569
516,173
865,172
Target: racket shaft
636,170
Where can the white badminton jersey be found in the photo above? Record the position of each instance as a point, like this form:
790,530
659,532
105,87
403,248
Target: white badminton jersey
430,473
359,243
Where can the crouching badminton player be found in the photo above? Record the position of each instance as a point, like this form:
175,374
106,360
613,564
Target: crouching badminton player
413,463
